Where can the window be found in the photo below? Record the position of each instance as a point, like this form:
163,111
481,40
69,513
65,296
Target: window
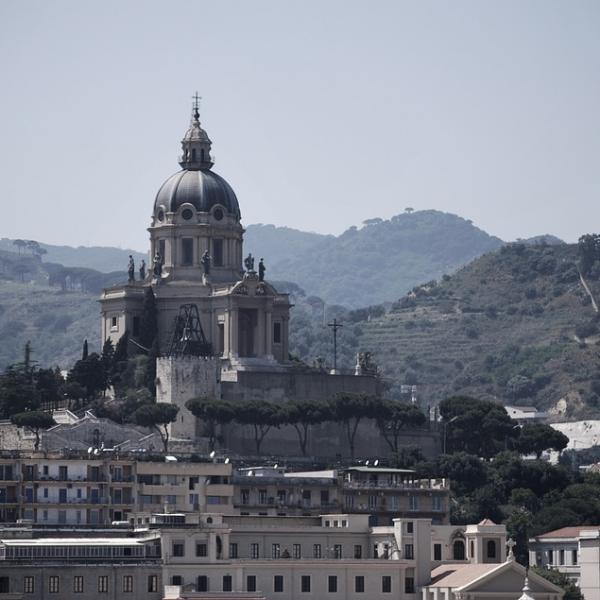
187,214
128,583
436,503
409,585
550,557
277,332
217,253
178,549
227,583
458,550
305,584
245,496
437,552
275,551
359,584
103,583
177,580
187,252
413,502
573,557
297,551
53,584
386,584
254,551
233,550
152,583
357,551
337,551
332,584
316,550
161,249
202,583
262,496
410,527
491,550
4,585
28,584
394,502
372,501
278,583
561,555
251,583
78,584
409,552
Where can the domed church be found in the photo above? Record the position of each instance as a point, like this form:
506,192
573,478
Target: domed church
210,299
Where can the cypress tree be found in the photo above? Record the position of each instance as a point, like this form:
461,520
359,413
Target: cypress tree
84,353
149,320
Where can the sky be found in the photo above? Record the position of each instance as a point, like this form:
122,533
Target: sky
322,113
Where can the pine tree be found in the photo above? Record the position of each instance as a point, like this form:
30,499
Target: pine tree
84,353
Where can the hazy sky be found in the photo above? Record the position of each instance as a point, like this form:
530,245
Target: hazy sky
322,113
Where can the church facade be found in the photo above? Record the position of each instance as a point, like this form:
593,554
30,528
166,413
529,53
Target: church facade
196,250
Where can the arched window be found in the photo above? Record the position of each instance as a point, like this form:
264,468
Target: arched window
491,549
202,155
458,550
193,154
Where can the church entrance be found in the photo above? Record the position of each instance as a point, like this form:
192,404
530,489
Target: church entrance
248,318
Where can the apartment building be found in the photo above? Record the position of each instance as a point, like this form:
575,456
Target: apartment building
382,493
100,488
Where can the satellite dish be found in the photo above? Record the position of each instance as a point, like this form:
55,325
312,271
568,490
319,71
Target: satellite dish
212,454
90,449
96,451
275,465
227,461
366,463
376,463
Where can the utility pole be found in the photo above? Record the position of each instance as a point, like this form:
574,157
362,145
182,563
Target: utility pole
334,326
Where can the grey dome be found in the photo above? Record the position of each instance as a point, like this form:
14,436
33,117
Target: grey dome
202,188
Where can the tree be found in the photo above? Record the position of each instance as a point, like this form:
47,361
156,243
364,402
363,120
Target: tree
149,320
89,374
588,248
408,210
157,416
20,244
34,421
394,417
212,412
537,437
261,416
302,414
476,426
48,383
84,352
349,409
18,392
572,592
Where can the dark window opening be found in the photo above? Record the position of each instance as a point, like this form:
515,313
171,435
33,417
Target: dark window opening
217,253
491,549
251,583
332,584
227,583
277,333
386,584
458,550
305,584
136,326
187,252
409,585
193,154
437,552
202,583
359,584
278,583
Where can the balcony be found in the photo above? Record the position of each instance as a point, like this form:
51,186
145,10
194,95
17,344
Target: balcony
421,484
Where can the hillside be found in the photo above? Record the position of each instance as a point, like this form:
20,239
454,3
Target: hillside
376,263
516,325
99,258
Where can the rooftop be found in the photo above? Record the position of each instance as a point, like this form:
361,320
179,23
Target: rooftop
567,532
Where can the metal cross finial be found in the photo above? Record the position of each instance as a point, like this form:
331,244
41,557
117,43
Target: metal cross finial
196,106
334,326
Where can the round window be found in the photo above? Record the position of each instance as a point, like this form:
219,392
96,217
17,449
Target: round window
161,215
218,214
187,214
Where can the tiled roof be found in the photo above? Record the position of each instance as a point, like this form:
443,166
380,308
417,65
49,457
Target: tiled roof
567,532
455,576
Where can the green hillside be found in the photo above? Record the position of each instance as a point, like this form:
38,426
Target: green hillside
516,325
378,262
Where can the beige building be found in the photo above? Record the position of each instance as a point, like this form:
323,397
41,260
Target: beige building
98,489
574,551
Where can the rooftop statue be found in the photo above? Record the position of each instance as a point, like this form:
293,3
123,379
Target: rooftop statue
249,263
131,270
143,270
261,270
205,260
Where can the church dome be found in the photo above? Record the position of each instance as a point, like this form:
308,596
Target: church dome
201,188
196,183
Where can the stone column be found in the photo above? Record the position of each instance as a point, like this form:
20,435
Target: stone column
269,332
259,338
233,332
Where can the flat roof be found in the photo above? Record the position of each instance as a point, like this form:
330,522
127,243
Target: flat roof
75,541
379,470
